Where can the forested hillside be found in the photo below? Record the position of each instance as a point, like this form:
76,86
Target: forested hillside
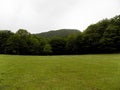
102,37
59,33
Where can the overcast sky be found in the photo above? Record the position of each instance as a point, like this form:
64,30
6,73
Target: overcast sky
44,15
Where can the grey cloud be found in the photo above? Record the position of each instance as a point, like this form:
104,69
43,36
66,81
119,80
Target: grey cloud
43,15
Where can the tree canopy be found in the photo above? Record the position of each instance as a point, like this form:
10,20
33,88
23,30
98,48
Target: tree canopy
101,37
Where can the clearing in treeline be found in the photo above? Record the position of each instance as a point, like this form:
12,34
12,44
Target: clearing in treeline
78,72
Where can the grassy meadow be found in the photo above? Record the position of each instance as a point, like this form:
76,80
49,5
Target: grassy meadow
77,72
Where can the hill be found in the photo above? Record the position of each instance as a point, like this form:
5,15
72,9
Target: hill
59,33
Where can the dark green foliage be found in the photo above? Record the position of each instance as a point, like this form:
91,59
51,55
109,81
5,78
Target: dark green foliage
102,37
22,32
71,44
4,35
47,49
12,45
110,41
41,45
58,46
24,43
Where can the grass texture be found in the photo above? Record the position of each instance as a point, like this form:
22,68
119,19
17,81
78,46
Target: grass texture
77,72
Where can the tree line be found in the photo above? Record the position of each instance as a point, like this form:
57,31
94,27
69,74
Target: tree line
102,37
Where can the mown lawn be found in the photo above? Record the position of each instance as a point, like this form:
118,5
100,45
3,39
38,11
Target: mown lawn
79,72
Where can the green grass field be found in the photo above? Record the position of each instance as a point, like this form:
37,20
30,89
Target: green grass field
79,72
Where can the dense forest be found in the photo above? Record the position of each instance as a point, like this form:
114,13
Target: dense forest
102,37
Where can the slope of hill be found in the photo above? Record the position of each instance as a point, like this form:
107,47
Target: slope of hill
59,33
